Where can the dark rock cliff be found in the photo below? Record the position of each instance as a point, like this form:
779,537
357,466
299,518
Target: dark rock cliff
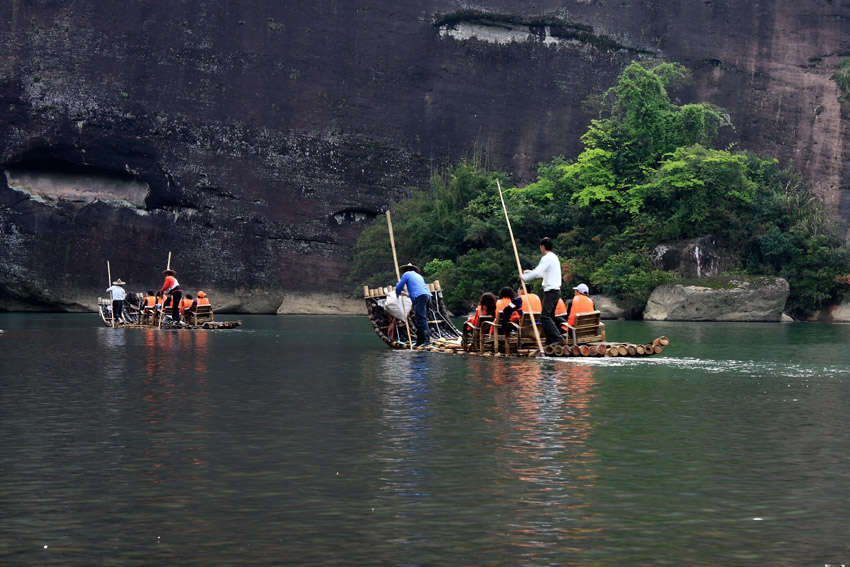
252,139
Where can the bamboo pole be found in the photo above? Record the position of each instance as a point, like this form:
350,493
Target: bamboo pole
111,302
392,243
519,269
398,276
162,311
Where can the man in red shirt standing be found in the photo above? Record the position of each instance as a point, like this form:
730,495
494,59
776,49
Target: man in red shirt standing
172,288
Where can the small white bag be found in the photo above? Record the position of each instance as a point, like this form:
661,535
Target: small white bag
398,306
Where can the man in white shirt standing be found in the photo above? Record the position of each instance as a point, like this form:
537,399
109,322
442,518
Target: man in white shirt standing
117,293
549,269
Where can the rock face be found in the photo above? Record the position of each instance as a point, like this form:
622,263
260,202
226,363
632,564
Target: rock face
761,299
693,258
609,308
254,139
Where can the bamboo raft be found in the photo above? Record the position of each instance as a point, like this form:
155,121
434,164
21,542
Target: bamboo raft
133,318
447,338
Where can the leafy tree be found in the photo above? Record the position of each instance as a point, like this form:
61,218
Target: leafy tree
695,191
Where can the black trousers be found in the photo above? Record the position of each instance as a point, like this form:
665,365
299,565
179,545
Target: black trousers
117,308
176,296
547,316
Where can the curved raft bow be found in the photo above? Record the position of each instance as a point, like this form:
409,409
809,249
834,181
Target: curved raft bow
445,336
586,338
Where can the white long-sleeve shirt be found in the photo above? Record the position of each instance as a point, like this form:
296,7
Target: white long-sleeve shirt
549,269
118,293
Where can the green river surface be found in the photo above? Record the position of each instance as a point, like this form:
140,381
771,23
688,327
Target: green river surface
306,441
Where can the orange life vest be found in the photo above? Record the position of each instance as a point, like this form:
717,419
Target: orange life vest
504,302
185,304
203,301
531,302
150,301
561,308
581,304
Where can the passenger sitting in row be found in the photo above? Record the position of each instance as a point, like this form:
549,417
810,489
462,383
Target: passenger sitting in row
203,299
149,307
191,305
581,303
471,327
532,301
510,306
187,304
486,307
561,313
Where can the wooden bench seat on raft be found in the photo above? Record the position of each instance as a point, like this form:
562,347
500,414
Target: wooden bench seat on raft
201,314
588,328
492,341
471,338
526,337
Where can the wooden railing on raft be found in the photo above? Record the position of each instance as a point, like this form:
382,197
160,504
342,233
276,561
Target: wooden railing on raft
378,292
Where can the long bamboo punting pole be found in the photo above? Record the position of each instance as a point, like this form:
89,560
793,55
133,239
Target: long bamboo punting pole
162,311
398,275
519,269
111,304
392,243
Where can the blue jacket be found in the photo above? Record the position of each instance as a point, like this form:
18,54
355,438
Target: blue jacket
415,283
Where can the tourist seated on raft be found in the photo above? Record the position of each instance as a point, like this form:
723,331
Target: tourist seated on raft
203,299
531,301
149,303
510,306
188,304
149,306
486,306
581,303
561,314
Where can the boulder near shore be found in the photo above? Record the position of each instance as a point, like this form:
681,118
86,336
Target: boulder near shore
744,299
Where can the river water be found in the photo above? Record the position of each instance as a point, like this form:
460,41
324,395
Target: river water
306,441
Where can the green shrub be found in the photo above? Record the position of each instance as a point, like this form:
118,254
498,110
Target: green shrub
842,77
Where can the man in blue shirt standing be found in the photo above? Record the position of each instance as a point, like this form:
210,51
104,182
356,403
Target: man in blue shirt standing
418,292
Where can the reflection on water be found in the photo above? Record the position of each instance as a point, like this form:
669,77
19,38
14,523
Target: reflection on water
305,441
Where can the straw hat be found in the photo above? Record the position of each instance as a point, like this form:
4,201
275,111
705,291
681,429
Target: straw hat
118,282
408,267
169,272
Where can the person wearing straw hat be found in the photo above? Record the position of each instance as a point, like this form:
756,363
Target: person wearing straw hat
117,293
419,294
172,288
549,270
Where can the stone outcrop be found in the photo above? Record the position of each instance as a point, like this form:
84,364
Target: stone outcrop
751,299
609,308
254,139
